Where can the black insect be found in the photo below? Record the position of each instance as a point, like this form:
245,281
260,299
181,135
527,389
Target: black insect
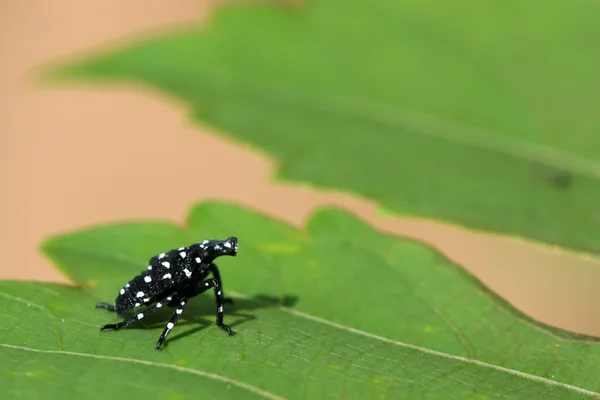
172,279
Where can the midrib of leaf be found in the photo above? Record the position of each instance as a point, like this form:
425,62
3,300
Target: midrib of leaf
420,123
535,378
204,374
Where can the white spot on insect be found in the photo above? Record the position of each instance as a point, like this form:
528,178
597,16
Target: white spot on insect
137,305
181,248
198,260
140,316
167,276
188,273
206,284
205,242
182,303
227,244
179,311
146,300
158,305
148,279
217,247
169,298
127,286
162,255
220,309
140,294
166,264
122,291
219,293
149,267
182,254
170,325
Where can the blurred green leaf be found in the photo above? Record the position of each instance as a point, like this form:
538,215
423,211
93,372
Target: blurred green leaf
336,310
482,113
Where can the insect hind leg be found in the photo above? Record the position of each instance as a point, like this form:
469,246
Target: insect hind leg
172,321
106,306
138,317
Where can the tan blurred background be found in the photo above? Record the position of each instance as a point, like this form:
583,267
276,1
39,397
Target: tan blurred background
67,163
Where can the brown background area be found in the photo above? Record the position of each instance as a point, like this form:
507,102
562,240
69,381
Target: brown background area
68,162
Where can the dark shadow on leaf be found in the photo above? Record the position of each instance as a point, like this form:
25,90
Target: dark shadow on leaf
198,310
206,324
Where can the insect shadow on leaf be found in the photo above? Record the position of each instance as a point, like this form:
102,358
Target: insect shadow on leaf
199,308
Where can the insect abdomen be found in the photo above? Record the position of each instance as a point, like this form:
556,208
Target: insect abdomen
162,275
135,293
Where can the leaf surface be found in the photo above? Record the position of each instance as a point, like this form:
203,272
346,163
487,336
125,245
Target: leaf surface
334,311
481,113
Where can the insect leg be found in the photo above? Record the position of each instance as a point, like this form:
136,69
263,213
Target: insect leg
172,322
106,306
215,271
138,317
203,287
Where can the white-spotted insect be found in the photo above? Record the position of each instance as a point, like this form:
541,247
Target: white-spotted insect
171,279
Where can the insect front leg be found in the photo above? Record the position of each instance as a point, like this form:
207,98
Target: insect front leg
172,322
213,283
215,271
138,317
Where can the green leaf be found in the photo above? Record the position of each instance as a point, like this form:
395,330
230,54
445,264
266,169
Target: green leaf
336,310
481,113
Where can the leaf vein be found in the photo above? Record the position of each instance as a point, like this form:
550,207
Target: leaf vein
425,124
52,316
465,360
205,374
